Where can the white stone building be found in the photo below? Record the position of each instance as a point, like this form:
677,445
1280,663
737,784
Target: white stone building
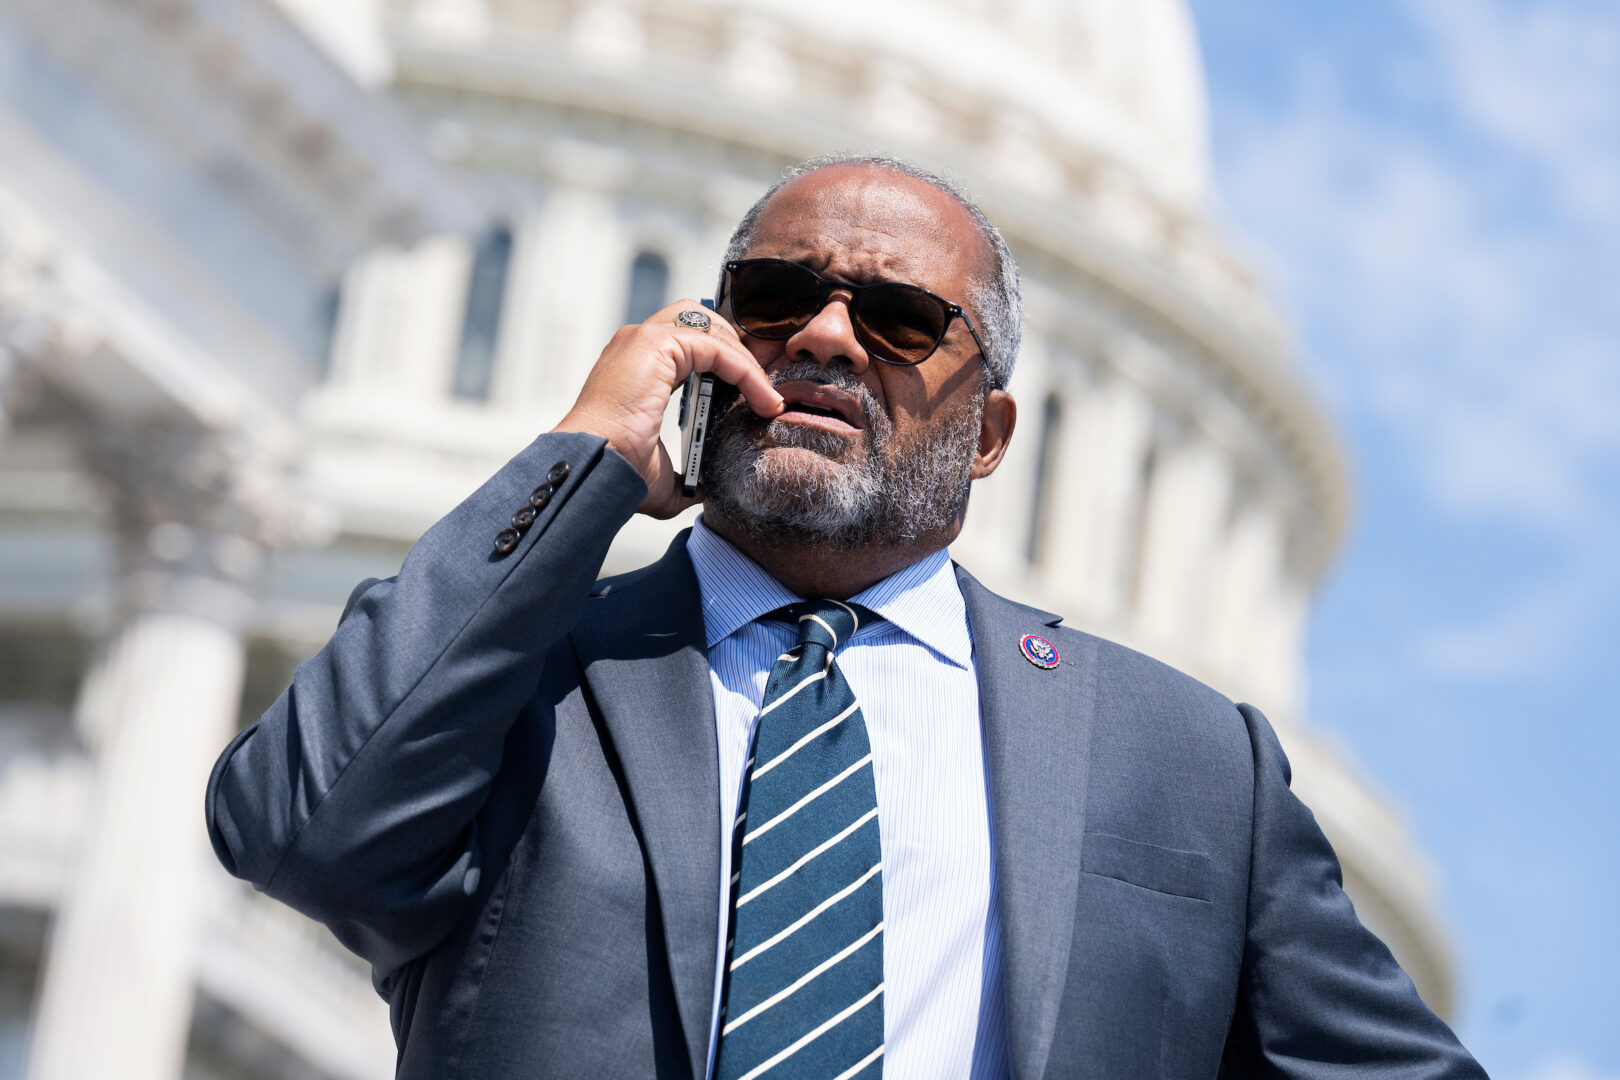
282,280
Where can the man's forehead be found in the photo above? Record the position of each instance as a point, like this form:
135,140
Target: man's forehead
893,224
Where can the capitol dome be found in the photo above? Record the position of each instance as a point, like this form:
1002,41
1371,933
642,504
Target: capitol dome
1115,77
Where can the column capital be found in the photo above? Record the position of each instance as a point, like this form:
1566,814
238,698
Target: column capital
196,512
34,328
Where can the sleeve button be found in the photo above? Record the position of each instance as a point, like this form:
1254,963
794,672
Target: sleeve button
540,496
506,541
558,473
523,518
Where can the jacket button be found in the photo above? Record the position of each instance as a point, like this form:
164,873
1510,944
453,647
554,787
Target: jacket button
558,473
540,496
506,541
523,518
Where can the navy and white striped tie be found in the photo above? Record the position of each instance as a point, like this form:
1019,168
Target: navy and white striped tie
804,975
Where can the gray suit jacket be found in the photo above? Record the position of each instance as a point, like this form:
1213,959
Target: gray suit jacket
498,783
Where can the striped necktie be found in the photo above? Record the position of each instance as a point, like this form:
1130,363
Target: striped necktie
804,968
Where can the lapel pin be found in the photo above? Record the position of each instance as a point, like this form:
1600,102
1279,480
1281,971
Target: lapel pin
1038,651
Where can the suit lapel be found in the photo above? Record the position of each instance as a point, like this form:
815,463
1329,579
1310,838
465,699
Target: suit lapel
1037,730
645,658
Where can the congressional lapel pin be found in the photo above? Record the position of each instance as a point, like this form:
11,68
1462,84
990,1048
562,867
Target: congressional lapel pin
1038,651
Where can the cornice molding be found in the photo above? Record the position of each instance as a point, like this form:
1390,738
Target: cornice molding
1077,76
82,333
238,91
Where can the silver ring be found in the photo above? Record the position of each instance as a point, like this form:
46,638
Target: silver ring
697,320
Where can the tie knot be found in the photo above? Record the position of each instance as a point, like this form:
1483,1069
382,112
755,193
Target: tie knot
828,623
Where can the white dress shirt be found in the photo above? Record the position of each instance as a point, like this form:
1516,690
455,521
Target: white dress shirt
944,1014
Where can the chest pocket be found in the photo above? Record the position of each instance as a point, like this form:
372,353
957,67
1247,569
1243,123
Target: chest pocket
1164,870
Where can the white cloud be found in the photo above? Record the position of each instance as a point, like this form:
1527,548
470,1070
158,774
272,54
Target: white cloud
1568,1067
1456,273
1454,324
1527,635
1525,880
1540,80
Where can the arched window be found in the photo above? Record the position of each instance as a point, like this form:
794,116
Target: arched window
326,320
480,329
1040,506
649,286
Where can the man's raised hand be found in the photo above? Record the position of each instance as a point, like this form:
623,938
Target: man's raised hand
625,395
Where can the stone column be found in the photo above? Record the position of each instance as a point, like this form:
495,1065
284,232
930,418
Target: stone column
191,514
577,282
400,323
1187,502
1247,570
1112,427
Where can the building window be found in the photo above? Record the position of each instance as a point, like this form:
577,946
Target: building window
480,329
1040,506
649,286
328,309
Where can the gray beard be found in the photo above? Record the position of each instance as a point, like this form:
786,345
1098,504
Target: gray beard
890,492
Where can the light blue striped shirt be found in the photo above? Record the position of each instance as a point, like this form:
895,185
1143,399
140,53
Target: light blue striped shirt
944,1013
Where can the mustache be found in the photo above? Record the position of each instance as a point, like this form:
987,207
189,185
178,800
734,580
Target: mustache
834,375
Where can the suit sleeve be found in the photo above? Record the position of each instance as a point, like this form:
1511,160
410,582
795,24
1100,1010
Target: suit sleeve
1321,996
354,798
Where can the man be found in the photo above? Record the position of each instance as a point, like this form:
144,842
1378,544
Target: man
800,799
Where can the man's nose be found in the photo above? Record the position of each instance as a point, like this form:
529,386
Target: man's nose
829,338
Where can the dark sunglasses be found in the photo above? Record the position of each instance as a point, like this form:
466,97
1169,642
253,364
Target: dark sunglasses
895,322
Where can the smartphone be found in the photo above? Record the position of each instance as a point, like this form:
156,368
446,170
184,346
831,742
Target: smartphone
704,400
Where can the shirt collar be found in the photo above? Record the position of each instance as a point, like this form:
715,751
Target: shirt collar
923,600
736,590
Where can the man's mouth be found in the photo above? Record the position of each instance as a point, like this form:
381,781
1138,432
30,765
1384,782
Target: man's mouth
820,405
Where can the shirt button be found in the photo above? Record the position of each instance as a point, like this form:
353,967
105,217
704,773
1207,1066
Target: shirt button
506,541
523,518
558,473
540,496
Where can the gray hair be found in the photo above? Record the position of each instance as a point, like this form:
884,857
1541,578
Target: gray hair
998,301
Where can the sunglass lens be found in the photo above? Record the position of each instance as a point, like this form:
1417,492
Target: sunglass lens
902,322
773,300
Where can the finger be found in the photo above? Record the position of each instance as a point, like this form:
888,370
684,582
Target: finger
727,356
664,497
719,325
738,367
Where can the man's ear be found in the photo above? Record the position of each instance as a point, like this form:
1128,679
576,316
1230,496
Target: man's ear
995,432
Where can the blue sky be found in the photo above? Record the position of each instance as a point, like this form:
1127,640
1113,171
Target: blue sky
1432,190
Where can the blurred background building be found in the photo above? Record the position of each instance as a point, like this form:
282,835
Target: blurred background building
283,280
